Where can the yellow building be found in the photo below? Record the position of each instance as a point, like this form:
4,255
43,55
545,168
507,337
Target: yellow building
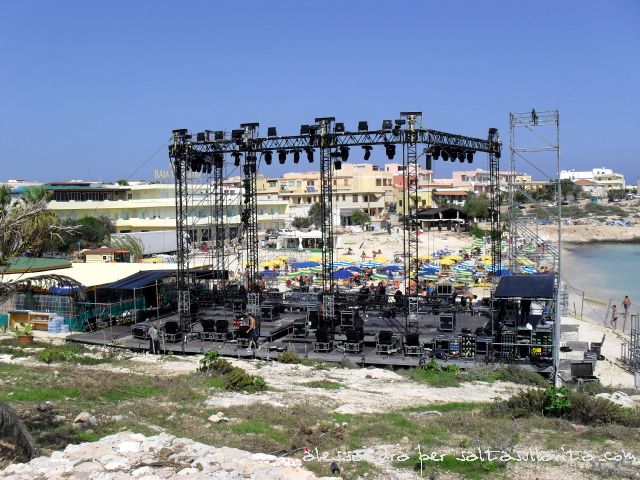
152,207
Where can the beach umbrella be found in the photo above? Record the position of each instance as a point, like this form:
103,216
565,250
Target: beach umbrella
345,259
379,276
340,264
304,264
315,258
381,259
391,268
446,261
429,277
455,258
370,264
342,274
269,273
353,268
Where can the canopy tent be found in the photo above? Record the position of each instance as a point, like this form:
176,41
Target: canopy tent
526,286
139,280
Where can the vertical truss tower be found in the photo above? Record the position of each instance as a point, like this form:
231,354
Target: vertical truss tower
411,240
535,141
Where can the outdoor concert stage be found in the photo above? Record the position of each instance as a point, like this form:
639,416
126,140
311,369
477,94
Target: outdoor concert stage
278,336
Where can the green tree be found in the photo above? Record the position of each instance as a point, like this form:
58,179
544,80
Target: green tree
26,226
123,183
301,222
88,231
315,215
477,206
360,218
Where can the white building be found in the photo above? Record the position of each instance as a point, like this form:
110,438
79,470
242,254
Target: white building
602,177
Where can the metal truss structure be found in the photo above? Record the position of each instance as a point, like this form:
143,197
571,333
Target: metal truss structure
495,204
211,148
540,132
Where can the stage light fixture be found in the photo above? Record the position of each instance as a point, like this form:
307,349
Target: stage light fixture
436,153
304,130
339,127
363,126
445,155
428,163
237,134
344,153
236,158
390,150
296,156
282,156
200,137
207,168
267,157
461,156
387,125
337,165
218,160
180,132
470,157
309,154
272,132
218,135
367,151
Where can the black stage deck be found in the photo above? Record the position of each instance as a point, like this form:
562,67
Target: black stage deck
277,336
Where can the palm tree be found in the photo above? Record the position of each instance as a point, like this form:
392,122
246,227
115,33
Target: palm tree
12,427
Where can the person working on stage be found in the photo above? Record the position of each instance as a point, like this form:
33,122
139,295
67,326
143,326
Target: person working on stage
154,339
252,332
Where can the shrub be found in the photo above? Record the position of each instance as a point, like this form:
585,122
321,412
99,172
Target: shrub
239,380
593,411
524,404
522,376
557,401
289,357
208,360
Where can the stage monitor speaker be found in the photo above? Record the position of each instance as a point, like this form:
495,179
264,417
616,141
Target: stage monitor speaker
447,322
444,290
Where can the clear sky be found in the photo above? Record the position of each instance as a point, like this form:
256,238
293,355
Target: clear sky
91,89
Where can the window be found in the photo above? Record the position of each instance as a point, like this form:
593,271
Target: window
355,198
346,182
379,182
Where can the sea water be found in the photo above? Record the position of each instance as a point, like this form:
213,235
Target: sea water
603,270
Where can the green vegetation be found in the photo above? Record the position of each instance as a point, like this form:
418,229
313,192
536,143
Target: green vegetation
563,403
477,206
70,353
436,375
232,378
360,218
39,394
326,384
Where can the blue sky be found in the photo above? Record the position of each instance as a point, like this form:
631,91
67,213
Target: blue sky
91,89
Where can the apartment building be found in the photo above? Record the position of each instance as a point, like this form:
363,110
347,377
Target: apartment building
477,181
602,180
151,207
362,186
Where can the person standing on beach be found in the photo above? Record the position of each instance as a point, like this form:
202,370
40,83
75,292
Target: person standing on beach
626,303
614,316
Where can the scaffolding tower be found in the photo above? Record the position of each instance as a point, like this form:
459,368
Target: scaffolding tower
534,141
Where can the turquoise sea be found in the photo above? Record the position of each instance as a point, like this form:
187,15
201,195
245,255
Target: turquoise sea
603,270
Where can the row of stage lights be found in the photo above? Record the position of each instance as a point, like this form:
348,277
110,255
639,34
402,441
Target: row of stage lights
341,154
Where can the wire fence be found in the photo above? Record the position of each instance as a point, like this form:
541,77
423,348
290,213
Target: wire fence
599,307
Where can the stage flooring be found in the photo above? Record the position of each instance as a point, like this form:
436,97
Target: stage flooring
277,336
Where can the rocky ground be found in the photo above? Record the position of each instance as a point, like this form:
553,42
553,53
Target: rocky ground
127,455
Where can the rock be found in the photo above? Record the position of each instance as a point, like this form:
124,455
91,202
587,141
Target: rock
125,456
85,421
217,418
118,418
578,428
82,417
619,398
45,407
